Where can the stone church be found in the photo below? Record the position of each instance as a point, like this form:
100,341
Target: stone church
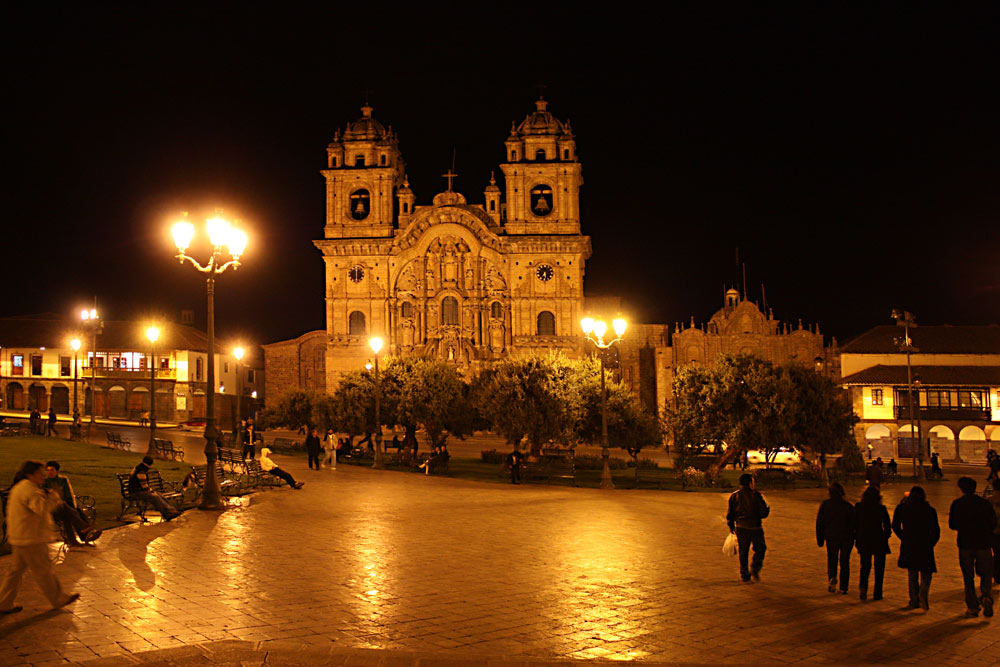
465,282
472,282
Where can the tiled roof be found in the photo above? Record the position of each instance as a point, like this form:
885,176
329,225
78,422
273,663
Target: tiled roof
978,376
928,340
53,332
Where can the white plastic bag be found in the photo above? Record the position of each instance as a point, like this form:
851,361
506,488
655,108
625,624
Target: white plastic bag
731,546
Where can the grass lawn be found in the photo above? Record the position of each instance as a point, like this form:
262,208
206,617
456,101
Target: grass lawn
91,469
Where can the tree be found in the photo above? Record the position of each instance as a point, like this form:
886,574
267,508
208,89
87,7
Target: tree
822,417
293,409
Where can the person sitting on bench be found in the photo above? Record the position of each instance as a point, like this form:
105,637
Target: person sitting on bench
138,486
66,512
270,467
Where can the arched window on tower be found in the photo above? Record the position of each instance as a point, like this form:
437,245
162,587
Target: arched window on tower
496,310
540,154
449,311
513,156
406,310
356,324
546,324
381,160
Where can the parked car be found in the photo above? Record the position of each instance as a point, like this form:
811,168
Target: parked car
785,456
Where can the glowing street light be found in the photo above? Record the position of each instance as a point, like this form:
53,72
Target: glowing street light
906,320
90,320
594,331
152,333
75,344
223,237
376,345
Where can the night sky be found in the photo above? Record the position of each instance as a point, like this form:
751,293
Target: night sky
851,156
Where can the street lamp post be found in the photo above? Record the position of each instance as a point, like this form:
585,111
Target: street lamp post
75,344
221,234
906,319
376,345
594,331
89,318
152,333
238,352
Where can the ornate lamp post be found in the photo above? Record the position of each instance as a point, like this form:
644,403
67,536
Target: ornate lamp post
75,344
89,318
594,331
906,319
376,345
221,235
152,333
238,352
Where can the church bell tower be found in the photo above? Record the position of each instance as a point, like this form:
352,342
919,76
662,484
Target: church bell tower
364,169
543,176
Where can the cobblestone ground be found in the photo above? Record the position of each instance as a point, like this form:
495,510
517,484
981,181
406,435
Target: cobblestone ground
460,573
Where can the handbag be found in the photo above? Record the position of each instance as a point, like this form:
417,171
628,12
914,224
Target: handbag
731,546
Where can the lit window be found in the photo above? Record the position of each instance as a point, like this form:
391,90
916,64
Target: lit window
970,399
225,367
877,397
36,364
64,366
938,398
17,361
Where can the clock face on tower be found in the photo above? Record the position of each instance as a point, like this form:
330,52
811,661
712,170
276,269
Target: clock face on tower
544,273
356,274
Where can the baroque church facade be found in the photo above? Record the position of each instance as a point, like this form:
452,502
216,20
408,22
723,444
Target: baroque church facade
463,282
470,283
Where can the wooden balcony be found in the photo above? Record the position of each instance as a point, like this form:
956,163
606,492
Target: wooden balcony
945,414
125,374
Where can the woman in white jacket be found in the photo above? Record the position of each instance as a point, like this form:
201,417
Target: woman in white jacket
29,531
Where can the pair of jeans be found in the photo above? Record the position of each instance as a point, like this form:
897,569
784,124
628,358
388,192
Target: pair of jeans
747,537
839,552
973,562
866,568
72,521
313,459
920,586
158,501
278,472
248,452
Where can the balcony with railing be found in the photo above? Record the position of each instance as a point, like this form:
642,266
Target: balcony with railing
945,413
129,374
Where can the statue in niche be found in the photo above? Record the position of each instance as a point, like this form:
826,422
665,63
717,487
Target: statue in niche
451,353
470,319
494,281
496,336
450,266
406,334
470,279
406,281
430,274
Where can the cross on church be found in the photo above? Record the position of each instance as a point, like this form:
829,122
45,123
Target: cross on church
449,175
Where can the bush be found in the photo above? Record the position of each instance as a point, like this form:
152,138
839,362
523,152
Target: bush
643,463
691,476
595,462
492,456
851,461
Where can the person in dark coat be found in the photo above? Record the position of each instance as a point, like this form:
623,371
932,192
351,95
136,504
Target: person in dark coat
916,525
835,527
872,530
995,501
313,446
874,474
747,509
974,519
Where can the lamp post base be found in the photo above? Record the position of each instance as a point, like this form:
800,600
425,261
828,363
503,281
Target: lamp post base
606,482
379,463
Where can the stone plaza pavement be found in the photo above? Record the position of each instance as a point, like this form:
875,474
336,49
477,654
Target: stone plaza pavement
366,567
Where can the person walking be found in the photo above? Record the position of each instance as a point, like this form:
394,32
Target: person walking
51,429
312,449
874,474
270,467
747,509
936,466
975,520
34,421
249,437
994,499
835,527
138,487
29,531
915,523
872,530
330,448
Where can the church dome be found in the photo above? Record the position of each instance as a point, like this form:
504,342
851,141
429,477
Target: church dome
365,128
541,121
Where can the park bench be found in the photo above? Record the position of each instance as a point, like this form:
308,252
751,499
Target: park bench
773,477
548,469
284,444
156,483
79,432
116,441
86,505
14,428
256,478
229,485
165,450
657,476
232,459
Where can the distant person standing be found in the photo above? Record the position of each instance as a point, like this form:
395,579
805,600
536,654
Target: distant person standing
312,449
29,531
330,448
33,421
974,519
747,510
249,435
936,466
51,430
835,527
872,530
874,474
892,468
915,523
995,501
